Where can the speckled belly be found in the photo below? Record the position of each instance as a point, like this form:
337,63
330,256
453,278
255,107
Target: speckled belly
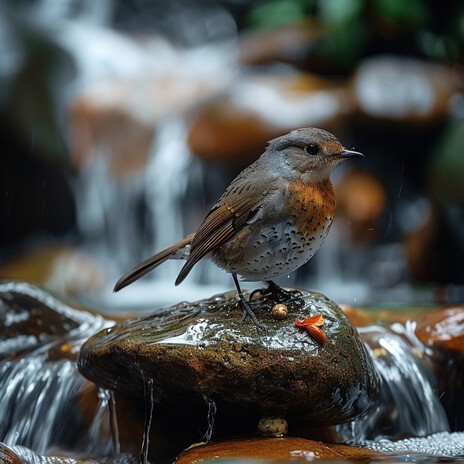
264,251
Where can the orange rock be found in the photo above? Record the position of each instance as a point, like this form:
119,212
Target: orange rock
404,89
101,121
286,44
443,329
273,449
361,201
57,266
233,128
358,317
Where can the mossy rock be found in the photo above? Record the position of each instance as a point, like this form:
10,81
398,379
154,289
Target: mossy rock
204,349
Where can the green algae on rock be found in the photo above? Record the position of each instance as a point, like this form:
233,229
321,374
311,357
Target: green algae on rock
204,350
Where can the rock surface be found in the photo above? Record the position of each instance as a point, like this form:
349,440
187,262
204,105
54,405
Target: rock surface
23,455
442,333
274,450
204,350
31,317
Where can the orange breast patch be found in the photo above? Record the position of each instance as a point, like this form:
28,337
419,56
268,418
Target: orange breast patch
311,205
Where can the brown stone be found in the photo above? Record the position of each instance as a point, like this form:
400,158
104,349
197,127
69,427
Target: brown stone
273,450
194,351
287,44
443,329
442,333
404,90
31,317
58,267
233,128
361,203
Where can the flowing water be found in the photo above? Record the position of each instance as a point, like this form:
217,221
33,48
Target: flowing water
408,404
105,423
37,397
35,400
211,418
40,386
149,391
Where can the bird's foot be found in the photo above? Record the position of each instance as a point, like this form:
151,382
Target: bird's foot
248,312
280,293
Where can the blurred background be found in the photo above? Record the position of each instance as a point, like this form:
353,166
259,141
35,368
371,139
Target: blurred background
121,123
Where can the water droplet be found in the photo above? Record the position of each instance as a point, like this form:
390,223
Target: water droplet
149,392
211,418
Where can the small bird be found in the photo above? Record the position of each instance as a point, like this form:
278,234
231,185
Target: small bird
271,219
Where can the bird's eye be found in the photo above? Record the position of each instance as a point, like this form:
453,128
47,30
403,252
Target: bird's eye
312,149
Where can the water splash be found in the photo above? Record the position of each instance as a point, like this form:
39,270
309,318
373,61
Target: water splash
149,391
408,404
439,444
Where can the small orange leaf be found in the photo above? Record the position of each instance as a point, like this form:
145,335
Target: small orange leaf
312,320
313,325
316,333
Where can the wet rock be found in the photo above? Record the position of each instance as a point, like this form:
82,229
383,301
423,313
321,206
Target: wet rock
288,44
442,333
45,402
198,351
361,206
234,127
31,317
8,456
443,329
273,450
402,89
23,455
58,267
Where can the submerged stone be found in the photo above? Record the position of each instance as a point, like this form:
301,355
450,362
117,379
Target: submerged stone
204,350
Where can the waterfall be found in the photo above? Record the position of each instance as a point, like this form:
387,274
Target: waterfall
171,212
40,386
35,396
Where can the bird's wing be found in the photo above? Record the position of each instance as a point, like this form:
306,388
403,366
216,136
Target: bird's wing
225,219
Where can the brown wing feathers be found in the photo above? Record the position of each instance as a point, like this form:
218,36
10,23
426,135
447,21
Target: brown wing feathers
146,266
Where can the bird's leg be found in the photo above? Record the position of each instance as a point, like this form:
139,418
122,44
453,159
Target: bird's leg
246,307
279,293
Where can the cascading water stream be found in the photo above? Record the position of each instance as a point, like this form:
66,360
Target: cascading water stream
212,408
408,404
149,391
104,424
35,398
40,386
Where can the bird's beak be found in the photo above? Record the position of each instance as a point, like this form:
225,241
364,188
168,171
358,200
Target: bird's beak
350,154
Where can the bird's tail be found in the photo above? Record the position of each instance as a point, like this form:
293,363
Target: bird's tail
177,251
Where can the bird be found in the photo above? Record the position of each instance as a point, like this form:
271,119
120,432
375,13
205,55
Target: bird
271,219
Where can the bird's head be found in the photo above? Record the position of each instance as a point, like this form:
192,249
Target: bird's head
311,152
